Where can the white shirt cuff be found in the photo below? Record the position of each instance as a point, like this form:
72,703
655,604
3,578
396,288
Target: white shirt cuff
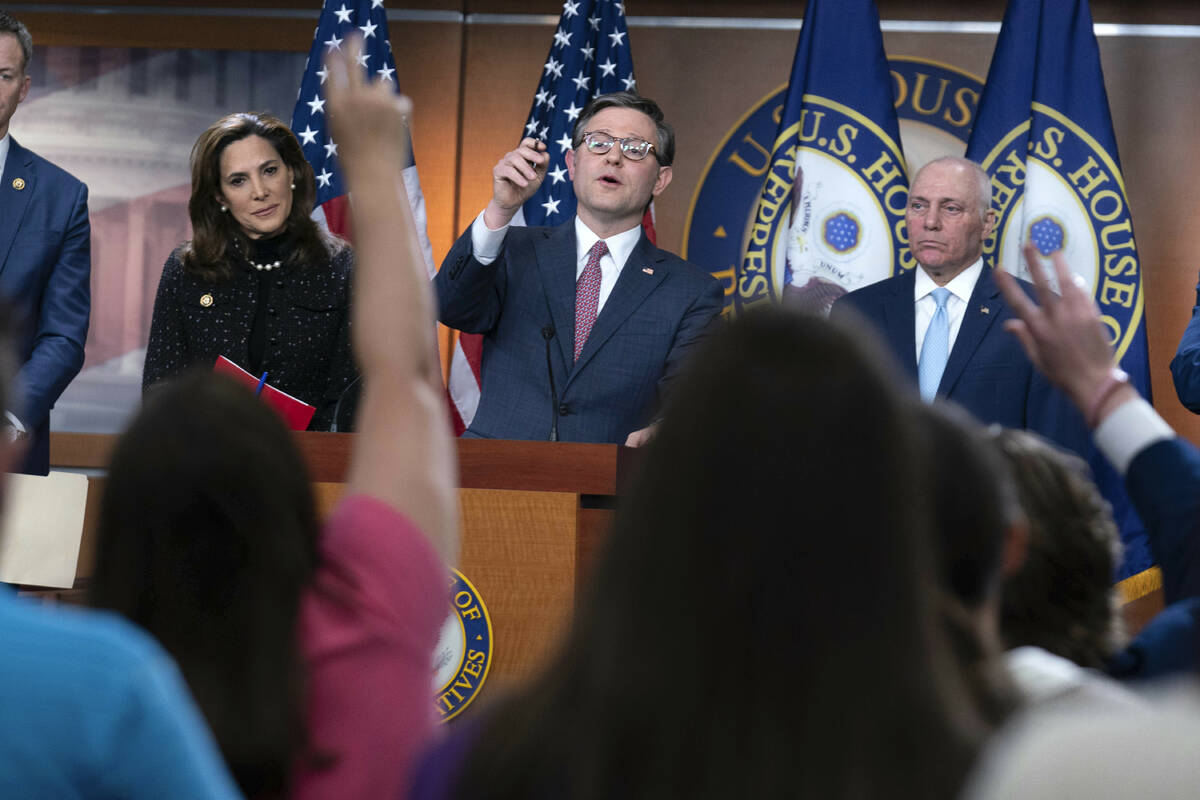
1128,430
485,242
16,423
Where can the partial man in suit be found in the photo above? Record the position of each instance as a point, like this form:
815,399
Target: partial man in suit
45,262
585,324
944,319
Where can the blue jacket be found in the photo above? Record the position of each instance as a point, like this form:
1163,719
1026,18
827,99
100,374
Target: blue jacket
1164,484
45,271
524,305
1185,366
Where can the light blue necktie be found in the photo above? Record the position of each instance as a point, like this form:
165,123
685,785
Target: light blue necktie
935,349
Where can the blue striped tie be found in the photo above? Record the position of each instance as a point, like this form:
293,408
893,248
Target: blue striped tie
935,349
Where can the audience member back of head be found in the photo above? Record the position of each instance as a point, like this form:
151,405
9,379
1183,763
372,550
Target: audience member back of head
207,538
760,622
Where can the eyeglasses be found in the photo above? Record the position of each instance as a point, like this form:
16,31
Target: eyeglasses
633,148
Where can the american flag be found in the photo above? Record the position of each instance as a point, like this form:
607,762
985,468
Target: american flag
589,56
339,19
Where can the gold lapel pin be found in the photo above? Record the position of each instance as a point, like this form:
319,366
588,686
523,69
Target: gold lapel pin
18,183
206,300
647,270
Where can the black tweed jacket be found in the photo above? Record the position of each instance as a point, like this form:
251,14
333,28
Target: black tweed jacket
307,331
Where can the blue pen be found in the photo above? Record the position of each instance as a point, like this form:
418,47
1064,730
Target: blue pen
261,382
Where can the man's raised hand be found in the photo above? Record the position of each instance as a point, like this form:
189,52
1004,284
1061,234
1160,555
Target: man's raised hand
515,178
1062,334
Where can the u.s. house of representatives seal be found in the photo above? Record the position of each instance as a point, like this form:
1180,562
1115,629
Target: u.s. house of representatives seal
1073,199
463,654
831,217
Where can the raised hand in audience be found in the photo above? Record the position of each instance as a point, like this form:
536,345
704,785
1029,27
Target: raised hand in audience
1064,337
404,454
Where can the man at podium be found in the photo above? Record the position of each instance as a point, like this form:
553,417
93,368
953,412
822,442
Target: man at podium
586,323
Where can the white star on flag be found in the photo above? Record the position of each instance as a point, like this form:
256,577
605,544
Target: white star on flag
551,206
324,177
333,43
316,104
571,76
368,30
330,148
385,74
629,82
343,14
308,135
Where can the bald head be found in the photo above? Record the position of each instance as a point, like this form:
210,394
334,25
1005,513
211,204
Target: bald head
949,215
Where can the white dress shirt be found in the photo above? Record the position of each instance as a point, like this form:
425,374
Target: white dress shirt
960,288
486,244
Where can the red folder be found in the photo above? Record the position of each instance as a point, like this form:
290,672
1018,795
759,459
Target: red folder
296,413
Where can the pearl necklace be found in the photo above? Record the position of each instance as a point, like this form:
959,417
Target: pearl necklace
266,267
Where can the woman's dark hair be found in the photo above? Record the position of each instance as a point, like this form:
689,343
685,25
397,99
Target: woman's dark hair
761,620
207,255
207,539
1062,598
974,509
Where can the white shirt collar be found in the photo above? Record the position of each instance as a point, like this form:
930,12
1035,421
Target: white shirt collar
4,140
619,245
961,285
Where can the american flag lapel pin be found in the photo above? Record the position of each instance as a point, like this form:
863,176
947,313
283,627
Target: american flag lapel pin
984,310
647,270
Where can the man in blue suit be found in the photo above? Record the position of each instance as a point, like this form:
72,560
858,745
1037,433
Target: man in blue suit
944,320
45,262
585,324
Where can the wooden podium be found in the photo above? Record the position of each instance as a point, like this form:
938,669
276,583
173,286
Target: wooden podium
532,515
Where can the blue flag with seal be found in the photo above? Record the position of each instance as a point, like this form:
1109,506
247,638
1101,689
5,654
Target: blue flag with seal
1044,133
830,216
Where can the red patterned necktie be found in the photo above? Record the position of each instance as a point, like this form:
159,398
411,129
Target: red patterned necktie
587,295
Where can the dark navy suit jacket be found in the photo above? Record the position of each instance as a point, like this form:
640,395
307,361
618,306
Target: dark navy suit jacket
987,373
1164,484
45,269
1185,366
524,305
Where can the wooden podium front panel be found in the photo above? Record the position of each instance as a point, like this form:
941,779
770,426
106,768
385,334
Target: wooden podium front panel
518,549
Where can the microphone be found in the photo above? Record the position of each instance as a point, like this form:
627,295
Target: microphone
548,334
342,396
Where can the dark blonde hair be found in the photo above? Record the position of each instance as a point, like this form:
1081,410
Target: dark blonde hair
1062,597
214,231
